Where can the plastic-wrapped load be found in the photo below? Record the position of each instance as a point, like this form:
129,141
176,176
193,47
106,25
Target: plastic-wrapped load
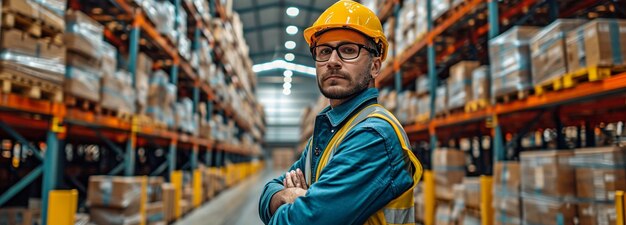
203,9
405,31
548,173
109,59
115,192
439,8
449,167
164,17
443,215
506,198
184,47
509,54
185,117
596,214
83,34
548,50
421,26
441,100
142,83
471,192
83,82
547,211
481,84
460,83
599,172
601,42
423,107
45,69
118,93
422,85
113,216
168,108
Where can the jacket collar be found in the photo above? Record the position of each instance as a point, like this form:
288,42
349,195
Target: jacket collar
339,113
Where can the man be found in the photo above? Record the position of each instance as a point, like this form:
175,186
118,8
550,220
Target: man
357,167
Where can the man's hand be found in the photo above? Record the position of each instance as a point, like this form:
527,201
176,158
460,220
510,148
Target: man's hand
295,186
295,179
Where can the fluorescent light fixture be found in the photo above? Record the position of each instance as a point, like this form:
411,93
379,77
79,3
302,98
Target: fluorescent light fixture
293,11
291,30
287,79
288,73
287,85
290,44
290,57
286,91
281,64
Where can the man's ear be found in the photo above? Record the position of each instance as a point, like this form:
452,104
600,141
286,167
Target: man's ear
376,64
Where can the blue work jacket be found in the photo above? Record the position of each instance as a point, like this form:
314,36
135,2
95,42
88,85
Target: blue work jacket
368,170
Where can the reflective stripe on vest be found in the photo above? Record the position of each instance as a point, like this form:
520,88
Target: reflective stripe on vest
398,211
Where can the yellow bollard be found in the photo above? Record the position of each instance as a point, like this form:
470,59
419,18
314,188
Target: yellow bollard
429,197
177,182
619,207
197,188
62,205
486,198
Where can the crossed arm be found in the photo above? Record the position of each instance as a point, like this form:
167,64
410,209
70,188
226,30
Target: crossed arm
295,186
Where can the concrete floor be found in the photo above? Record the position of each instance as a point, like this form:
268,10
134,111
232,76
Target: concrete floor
236,206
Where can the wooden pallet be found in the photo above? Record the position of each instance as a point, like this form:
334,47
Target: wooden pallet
476,105
590,74
82,104
513,96
17,20
117,114
30,86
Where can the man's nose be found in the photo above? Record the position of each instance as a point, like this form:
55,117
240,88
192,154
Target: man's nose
334,61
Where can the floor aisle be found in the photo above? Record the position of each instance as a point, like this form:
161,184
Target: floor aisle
237,206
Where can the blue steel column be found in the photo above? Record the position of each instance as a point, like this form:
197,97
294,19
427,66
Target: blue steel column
171,159
129,158
194,158
133,52
432,71
398,75
50,171
494,31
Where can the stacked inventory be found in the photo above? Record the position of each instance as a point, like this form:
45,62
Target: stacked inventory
599,43
84,57
117,200
449,170
32,50
506,196
460,84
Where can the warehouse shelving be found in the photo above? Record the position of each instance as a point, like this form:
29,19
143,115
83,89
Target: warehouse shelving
505,123
39,121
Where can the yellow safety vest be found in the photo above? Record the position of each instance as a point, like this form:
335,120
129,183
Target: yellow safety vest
399,211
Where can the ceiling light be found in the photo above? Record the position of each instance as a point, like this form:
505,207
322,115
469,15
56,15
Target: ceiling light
286,91
287,85
290,44
293,11
289,57
283,65
291,30
288,73
287,79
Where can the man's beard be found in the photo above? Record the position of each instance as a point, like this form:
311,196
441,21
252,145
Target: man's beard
360,86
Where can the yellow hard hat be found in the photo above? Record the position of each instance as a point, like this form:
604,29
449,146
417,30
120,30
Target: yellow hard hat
347,14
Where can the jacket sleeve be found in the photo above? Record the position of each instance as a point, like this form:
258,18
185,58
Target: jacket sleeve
354,184
274,186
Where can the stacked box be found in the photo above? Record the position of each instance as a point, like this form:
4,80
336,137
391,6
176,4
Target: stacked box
423,107
115,200
481,83
601,42
162,14
421,19
422,85
599,173
548,187
161,99
441,100
460,83
449,168
118,93
506,198
406,29
283,158
15,216
169,194
142,81
84,56
471,192
548,50
509,54
185,119
155,189
155,213
443,215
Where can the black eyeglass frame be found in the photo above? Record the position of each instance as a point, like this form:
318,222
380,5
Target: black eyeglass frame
336,48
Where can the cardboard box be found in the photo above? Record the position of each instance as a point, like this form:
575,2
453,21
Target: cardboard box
460,83
548,50
545,211
481,85
449,168
509,55
548,173
24,7
48,50
155,189
506,177
441,100
600,172
114,192
144,64
594,44
111,216
19,42
168,201
15,216
596,214
471,192
84,35
155,212
83,83
507,208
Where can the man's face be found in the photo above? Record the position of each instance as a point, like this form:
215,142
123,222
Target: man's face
341,79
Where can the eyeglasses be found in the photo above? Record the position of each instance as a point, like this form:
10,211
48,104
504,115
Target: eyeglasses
346,51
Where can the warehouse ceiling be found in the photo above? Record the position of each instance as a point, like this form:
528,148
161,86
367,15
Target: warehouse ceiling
266,29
